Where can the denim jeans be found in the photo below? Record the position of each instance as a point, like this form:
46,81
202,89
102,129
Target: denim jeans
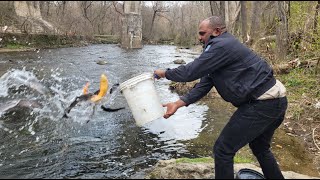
253,123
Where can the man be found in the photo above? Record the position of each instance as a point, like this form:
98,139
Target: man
242,78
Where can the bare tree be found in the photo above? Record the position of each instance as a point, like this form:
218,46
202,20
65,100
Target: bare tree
101,19
255,22
48,8
232,11
315,21
116,8
64,3
222,11
85,5
244,21
282,30
157,7
217,8
214,8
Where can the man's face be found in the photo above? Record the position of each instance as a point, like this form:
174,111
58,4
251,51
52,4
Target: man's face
204,32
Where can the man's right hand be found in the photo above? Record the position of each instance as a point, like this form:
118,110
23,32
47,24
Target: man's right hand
172,108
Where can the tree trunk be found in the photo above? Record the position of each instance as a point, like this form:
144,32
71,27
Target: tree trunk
315,22
48,8
282,31
243,20
214,8
152,24
232,11
64,3
211,7
222,9
255,22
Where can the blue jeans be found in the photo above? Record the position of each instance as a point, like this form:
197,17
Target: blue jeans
253,123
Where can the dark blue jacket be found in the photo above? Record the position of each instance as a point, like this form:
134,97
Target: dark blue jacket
238,74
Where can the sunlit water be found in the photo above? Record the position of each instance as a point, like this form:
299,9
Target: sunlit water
38,143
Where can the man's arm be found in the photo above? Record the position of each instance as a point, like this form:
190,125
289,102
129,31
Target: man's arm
198,91
173,107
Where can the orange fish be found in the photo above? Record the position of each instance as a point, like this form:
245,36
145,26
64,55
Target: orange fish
85,88
95,97
103,89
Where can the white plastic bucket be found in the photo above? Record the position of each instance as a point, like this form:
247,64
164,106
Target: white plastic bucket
142,98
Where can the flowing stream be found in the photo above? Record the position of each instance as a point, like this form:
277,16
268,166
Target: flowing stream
38,143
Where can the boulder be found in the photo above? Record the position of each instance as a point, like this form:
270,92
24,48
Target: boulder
179,61
102,62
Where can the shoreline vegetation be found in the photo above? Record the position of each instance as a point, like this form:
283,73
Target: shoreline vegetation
17,42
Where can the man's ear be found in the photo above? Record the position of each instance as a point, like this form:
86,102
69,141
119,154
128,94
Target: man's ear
215,33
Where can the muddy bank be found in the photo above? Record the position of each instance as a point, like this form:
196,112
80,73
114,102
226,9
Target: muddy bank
18,42
171,169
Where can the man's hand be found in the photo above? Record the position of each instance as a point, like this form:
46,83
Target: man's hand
159,73
172,108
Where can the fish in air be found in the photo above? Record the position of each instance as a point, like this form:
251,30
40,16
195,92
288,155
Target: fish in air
95,97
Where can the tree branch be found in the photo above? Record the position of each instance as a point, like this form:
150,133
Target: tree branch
115,7
315,143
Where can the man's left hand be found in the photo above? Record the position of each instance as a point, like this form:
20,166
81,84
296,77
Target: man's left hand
159,73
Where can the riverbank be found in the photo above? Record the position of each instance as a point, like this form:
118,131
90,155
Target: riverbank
17,42
5,50
178,169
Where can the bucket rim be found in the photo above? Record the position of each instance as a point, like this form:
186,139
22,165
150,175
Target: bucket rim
133,81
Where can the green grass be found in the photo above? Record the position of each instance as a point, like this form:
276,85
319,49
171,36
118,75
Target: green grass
301,84
237,159
240,159
15,46
301,81
195,160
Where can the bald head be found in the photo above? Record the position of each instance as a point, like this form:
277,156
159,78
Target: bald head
212,26
215,22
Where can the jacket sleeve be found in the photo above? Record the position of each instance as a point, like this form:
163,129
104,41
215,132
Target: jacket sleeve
198,91
206,63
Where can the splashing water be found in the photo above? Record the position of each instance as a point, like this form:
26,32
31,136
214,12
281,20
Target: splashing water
17,78
110,97
22,92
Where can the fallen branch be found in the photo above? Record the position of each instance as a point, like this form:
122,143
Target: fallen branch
316,72
297,63
315,143
263,40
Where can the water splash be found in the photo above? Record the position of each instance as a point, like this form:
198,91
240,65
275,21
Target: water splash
110,97
17,78
21,90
